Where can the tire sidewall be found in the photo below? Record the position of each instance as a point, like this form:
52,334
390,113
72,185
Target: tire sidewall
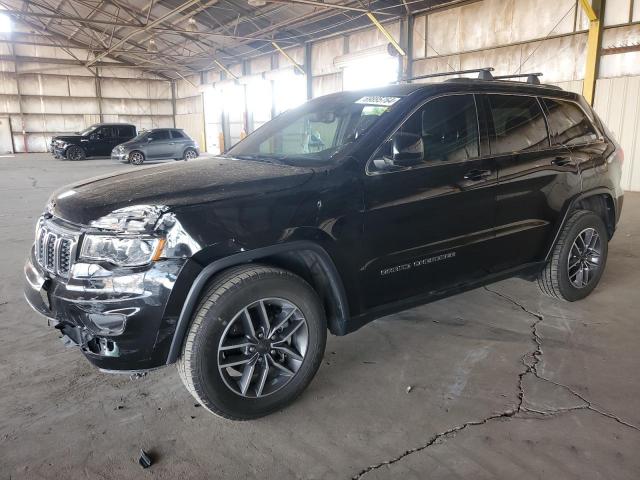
72,149
217,318
131,158
568,291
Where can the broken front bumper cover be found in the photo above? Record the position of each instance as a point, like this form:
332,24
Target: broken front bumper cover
115,330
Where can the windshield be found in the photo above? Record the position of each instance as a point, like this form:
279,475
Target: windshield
88,130
140,136
315,131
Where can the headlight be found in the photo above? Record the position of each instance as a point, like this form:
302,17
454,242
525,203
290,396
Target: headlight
121,251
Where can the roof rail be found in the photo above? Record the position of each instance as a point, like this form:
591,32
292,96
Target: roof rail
531,77
483,74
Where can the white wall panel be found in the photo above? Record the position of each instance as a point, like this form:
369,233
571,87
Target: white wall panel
82,87
8,85
372,37
323,53
50,85
419,37
617,102
327,84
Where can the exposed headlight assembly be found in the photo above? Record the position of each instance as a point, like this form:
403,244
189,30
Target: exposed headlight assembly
134,219
121,251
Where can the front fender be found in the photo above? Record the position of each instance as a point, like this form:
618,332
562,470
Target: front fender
210,270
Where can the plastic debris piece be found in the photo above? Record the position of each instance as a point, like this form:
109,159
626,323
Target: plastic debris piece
144,460
409,388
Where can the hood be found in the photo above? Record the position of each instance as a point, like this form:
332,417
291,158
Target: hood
68,138
132,143
174,184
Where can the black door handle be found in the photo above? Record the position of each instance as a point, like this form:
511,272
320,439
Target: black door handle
477,174
561,161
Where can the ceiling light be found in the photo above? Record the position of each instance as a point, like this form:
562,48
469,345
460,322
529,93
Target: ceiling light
152,48
257,3
191,25
5,23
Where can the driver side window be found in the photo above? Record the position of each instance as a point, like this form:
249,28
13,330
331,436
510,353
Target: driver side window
443,130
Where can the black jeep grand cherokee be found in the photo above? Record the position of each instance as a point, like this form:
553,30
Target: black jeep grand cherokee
353,206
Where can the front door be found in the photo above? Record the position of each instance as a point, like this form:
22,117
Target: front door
159,146
429,204
102,141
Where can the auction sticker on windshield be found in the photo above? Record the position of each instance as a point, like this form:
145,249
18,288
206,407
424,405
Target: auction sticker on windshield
378,100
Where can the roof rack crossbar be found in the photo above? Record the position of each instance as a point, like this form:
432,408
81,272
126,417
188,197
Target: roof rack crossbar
531,77
483,74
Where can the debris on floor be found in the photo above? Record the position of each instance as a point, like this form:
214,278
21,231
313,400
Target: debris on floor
145,460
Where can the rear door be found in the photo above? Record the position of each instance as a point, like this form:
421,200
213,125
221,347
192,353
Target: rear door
571,126
429,226
125,133
180,142
534,178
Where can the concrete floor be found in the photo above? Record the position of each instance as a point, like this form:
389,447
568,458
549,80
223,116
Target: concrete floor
505,383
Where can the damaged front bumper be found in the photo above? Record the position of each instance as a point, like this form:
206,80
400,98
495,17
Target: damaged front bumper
119,319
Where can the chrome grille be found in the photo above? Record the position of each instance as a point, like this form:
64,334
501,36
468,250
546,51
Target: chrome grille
54,248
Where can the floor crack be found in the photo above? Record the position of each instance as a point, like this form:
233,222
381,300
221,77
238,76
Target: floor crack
530,360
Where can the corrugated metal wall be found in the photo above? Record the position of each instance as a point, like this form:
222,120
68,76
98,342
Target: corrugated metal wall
54,95
617,102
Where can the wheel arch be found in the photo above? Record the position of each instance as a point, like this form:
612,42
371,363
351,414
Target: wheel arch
599,200
304,258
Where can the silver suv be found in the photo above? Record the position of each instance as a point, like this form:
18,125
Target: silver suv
156,144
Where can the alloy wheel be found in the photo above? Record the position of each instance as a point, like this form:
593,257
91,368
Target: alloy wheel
263,347
190,155
136,158
75,154
584,258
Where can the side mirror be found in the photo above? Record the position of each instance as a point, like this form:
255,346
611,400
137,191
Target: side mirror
407,149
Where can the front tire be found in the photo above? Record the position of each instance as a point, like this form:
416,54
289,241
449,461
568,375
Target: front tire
256,342
578,260
136,158
75,153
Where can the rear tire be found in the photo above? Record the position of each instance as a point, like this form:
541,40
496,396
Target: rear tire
75,153
136,157
290,352
190,154
578,260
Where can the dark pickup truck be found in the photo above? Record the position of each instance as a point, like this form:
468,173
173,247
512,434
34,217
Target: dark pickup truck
95,141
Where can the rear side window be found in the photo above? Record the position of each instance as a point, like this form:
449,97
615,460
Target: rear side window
177,134
160,135
568,125
126,131
518,124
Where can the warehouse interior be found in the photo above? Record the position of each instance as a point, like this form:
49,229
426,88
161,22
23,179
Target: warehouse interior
497,382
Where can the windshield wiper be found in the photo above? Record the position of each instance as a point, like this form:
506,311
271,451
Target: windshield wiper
258,158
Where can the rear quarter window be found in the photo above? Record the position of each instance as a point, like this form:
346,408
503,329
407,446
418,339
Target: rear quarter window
568,124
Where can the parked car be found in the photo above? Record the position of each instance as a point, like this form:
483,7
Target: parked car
96,141
353,206
157,144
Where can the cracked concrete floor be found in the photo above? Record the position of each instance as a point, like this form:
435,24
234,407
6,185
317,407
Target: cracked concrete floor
505,384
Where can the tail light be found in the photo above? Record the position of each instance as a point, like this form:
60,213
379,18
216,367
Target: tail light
617,155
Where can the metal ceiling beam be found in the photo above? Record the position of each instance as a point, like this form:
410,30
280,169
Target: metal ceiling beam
331,6
58,16
149,25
